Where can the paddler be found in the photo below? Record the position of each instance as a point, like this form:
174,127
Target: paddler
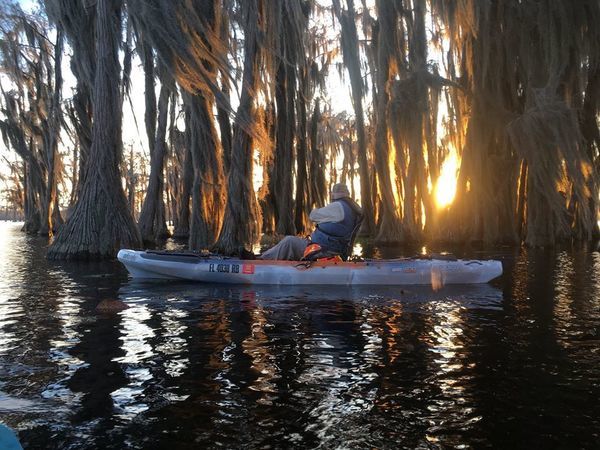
336,226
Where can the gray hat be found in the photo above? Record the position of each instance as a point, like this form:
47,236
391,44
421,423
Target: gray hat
339,190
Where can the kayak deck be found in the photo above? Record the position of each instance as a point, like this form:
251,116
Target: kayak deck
216,269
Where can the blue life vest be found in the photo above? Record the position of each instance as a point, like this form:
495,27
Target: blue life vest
336,236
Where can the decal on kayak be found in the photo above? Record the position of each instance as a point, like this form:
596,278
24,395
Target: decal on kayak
248,269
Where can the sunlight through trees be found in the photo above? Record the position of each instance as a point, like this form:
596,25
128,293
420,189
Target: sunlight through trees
470,121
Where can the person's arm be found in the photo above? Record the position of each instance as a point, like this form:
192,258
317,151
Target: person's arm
334,212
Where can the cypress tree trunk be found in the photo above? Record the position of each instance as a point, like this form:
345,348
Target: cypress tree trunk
208,188
74,175
149,97
34,193
222,113
318,185
351,56
242,215
101,222
173,166
301,217
130,182
284,149
291,21
389,225
51,219
267,191
225,129
182,230
81,117
418,59
152,222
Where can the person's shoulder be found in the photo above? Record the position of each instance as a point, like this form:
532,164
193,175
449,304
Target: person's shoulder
335,204
353,205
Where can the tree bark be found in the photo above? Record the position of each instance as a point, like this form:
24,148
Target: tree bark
182,230
242,214
267,191
74,175
318,185
152,221
101,223
390,229
225,129
52,219
222,113
301,216
284,148
149,96
208,194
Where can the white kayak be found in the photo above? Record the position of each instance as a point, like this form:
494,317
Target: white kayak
217,269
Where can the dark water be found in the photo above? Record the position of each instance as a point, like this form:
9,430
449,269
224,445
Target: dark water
512,364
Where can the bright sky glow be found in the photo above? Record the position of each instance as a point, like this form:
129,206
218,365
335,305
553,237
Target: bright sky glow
445,187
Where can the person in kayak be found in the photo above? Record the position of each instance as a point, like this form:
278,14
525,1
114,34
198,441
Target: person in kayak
337,224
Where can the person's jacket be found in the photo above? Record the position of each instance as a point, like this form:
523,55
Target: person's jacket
336,224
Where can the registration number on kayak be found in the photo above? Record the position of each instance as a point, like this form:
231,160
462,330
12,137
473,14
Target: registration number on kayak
247,269
224,268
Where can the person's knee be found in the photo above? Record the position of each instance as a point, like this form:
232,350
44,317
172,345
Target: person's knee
288,240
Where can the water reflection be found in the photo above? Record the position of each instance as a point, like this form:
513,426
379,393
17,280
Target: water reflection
135,333
189,366
326,348
263,361
454,408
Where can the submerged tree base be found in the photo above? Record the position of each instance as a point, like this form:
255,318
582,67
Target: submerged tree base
97,230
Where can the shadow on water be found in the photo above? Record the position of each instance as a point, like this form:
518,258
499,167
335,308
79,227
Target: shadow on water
182,365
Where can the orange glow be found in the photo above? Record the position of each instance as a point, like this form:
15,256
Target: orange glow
392,166
445,186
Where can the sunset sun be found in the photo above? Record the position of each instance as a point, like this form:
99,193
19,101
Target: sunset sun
445,187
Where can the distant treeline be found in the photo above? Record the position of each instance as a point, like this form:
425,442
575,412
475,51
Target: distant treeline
12,214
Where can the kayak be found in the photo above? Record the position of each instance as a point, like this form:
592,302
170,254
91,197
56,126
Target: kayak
157,265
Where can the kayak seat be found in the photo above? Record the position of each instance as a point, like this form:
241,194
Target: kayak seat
350,247
315,252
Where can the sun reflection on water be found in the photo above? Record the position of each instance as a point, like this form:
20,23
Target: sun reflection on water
257,347
446,337
173,346
135,336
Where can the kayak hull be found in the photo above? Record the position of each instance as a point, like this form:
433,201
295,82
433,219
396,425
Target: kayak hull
161,266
